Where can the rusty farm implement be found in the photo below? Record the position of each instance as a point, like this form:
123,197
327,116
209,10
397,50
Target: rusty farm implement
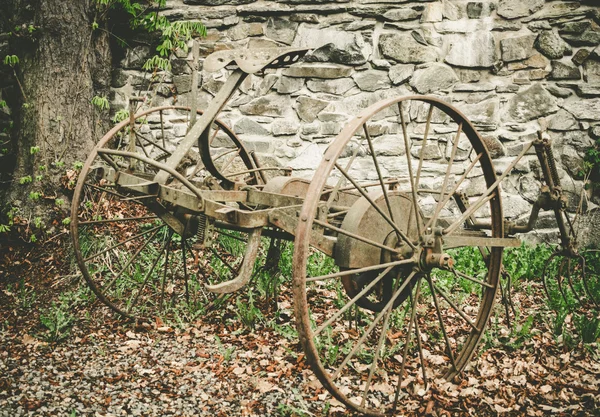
406,186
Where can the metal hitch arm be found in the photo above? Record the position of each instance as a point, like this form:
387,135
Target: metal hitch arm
245,270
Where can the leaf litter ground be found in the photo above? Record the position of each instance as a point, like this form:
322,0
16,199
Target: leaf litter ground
103,366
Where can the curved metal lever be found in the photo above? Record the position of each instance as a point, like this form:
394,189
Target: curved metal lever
245,270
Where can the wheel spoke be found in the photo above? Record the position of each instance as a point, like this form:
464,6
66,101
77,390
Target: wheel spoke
378,170
360,270
472,209
341,181
352,301
366,333
441,203
441,320
212,138
149,273
489,193
419,341
401,234
162,148
409,163
185,273
378,349
456,186
454,307
118,220
355,236
89,258
164,276
109,161
412,320
459,274
137,140
221,155
229,162
422,154
109,285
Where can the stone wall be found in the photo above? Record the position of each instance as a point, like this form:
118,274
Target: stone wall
505,63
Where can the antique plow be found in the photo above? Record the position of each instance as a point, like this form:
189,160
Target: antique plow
405,187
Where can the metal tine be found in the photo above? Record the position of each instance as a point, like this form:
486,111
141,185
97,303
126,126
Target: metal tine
585,281
570,281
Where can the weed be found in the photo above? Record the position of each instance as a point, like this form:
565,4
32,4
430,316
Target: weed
58,321
247,312
226,353
290,410
25,180
589,329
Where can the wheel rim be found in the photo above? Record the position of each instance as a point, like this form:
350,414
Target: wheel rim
357,368
133,261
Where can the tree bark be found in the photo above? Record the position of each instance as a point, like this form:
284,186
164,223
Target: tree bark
63,64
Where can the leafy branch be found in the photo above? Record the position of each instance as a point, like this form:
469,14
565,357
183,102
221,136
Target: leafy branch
12,61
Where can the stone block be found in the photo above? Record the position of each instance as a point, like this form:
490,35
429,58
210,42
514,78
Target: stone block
479,9
591,71
563,121
580,56
217,2
434,12
118,78
584,109
551,44
517,48
531,103
245,30
317,70
580,33
288,85
562,71
281,30
372,80
512,9
247,126
271,105
588,90
559,91
571,161
404,13
494,146
473,87
401,73
433,78
350,54
483,114
335,86
476,49
308,108
284,127
381,64
389,145
405,49
330,128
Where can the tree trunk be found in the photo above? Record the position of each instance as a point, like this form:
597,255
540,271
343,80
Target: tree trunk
63,64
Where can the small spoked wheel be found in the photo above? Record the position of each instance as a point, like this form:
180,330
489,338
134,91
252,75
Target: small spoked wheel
143,256
405,201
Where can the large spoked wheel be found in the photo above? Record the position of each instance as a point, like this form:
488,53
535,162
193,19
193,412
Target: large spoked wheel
145,257
407,194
